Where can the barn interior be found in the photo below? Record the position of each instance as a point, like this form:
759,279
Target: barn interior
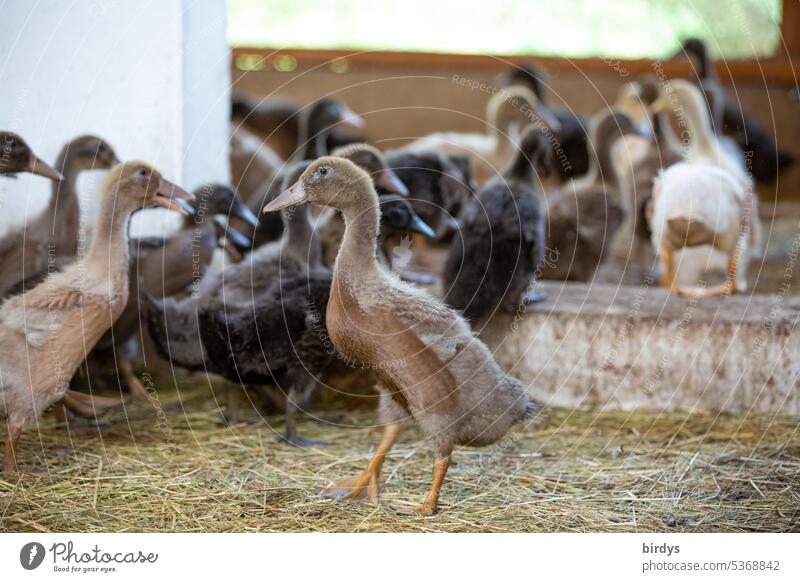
659,411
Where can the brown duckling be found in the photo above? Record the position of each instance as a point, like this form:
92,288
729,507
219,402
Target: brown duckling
52,237
166,268
16,157
584,215
507,113
500,248
46,332
573,133
430,365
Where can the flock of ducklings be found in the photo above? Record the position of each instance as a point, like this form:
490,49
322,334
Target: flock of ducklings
302,287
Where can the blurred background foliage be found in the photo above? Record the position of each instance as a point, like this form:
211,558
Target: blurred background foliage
734,29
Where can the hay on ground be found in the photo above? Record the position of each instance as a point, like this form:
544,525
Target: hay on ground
573,470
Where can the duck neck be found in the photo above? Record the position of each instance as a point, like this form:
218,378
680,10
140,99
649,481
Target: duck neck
356,259
108,252
701,136
300,240
62,216
604,164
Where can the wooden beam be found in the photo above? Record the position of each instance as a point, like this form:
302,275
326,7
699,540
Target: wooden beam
778,70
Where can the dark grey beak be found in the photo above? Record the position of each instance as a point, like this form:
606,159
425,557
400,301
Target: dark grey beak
420,226
241,211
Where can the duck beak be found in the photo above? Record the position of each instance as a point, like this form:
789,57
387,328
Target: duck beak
174,197
645,132
420,226
351,118
230,236
40,168
241,211
548,118
660,104
390,182
294,196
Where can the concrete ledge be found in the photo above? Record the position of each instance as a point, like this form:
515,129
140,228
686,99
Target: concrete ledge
638,347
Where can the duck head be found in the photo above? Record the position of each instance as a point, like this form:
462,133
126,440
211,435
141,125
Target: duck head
529,75
328,181
372,161
16,156
223,200
139,185
533,156
515,107
87,152
397,214
613,124
687,96
230,240
327,113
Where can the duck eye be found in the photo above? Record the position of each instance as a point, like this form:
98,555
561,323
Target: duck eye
142,172
324,171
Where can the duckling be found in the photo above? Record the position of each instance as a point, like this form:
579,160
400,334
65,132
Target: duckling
703,200
583,215
364,155
44,333
501,247
429,363
638,159
187,254
280,339
397,216
16,156
167,268
440,185
172,323
254,164
278,122
51,237
767,160
507,113
273,120
573,135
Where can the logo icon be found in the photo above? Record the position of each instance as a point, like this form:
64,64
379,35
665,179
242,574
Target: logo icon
402,254
31,555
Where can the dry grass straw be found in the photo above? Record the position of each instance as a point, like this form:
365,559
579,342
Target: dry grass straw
574,470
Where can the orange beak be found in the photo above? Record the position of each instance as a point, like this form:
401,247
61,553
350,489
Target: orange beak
174,197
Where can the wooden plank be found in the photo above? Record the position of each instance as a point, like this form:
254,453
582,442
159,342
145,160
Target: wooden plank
638,347
776,70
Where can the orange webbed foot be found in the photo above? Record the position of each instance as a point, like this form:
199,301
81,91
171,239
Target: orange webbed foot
364,487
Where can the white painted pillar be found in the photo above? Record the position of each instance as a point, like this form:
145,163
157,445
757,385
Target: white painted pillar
151,77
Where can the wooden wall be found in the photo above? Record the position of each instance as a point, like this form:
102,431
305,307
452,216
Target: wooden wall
402,100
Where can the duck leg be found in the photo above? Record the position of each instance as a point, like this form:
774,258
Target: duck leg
668,273
291,437
431,501
365,485
10,457
88,406
131,380
232,403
